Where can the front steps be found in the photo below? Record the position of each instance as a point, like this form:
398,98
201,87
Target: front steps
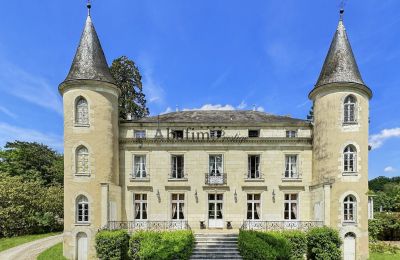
215,246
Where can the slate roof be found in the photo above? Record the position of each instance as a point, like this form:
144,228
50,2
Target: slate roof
340,64
221,116
90,62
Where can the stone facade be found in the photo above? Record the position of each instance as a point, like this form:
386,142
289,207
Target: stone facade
227,182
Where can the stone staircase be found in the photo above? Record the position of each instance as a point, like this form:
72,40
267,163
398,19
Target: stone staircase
215,246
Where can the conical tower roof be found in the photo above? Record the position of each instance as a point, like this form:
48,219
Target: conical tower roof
340,65
89,62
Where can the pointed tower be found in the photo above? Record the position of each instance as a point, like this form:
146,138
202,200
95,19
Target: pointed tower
340,144
91,185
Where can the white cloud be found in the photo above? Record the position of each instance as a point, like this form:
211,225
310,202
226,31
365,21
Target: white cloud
260,109
151,87
7,112
242,105
9,133
166,111
389,169
377,140
32,88
212,107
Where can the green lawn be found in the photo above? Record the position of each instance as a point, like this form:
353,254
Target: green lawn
9,242
53,253
383,256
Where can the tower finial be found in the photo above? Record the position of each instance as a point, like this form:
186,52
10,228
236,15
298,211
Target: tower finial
342,5
89,6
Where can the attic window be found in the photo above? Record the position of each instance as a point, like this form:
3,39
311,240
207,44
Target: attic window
254,133
291,133
177,134
215,133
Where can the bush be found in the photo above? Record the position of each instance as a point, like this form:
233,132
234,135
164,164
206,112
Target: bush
381,247
262,245
165,245
385,226
323,244
112,245
298,244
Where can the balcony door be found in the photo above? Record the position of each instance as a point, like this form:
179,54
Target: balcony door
215,211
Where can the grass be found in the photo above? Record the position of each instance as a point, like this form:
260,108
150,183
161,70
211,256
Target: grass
53,253
383,256
9,242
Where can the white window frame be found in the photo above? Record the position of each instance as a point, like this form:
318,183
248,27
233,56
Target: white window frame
213,165
350,209
290,202
82,209
256,174
81,112
291,168
142,203
174,167
82,160
350,110
291,133
350,159
139,168
180,206
253,202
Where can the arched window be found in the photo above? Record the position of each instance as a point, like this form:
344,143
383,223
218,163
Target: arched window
82,209
81,112
350,159
349,110
82,160
349,209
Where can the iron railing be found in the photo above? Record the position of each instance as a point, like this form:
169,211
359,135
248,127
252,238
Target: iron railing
280,225
136,225
215,178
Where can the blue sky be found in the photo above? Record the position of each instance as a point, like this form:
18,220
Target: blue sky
200,53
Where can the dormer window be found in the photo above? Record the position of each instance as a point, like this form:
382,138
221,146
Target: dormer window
349,109
215,133
254,133
140,134
291,133
177,134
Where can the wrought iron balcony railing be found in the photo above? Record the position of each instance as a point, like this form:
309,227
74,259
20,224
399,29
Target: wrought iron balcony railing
132,226
280,225
215,178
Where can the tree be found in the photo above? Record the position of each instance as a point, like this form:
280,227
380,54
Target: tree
32,161
129,81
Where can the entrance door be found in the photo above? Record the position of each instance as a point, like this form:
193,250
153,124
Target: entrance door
215,217
349,246
82,246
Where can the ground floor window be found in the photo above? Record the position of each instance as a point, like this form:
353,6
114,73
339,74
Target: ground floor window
140,206
253,206
291,209
178,204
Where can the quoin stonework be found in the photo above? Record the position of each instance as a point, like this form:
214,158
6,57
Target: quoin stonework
208,170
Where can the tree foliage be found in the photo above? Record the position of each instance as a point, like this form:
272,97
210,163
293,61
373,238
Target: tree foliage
387,191
129,81
32,161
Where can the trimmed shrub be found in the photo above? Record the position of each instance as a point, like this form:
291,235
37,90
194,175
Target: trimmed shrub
298,244
112,245
383,248
323,243
262,245
165,245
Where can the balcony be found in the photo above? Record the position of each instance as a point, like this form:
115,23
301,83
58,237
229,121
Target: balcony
132,226
215,178
280,225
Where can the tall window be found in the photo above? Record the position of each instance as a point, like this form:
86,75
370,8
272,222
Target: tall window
349,208
177,167
140,206
178,204
350,159
291,169
82,112
215,165
139,168
253,206
349,110
82,209
253,167
291,209
82,160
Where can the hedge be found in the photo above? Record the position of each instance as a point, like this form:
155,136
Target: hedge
261,245
165,245
298,244
323,243
112,245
